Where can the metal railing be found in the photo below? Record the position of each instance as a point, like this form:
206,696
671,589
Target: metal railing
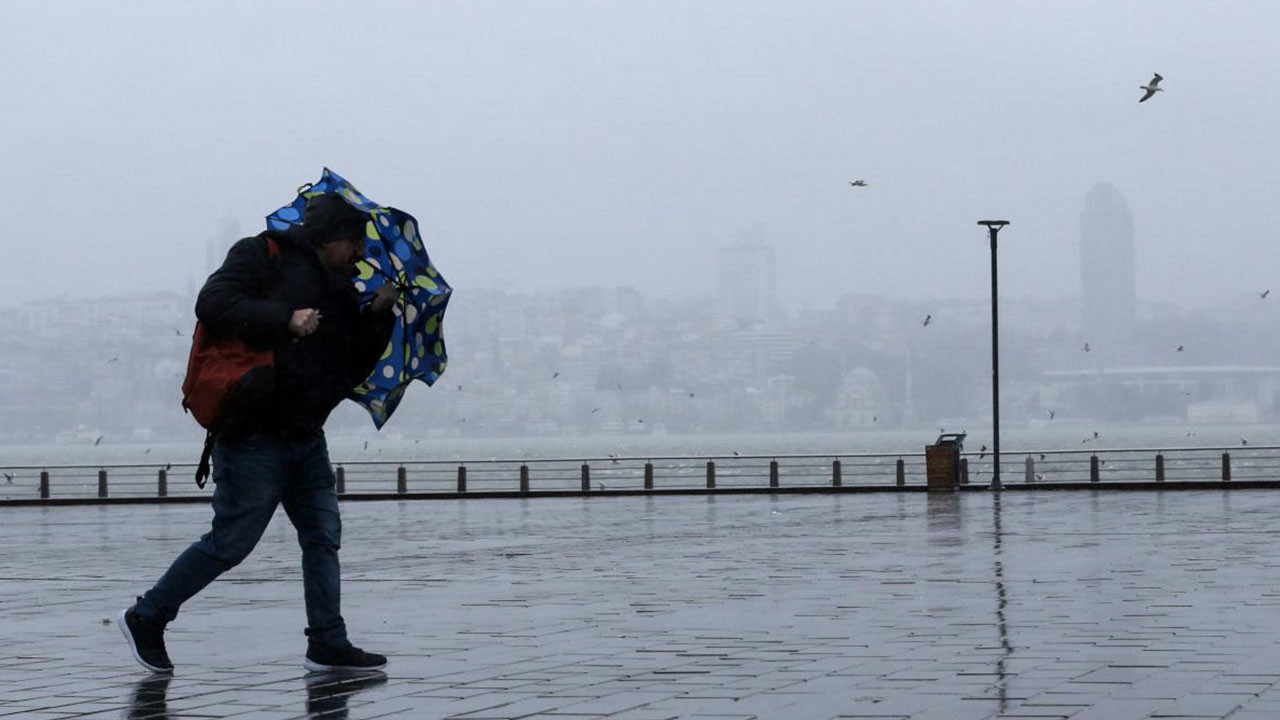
1114,467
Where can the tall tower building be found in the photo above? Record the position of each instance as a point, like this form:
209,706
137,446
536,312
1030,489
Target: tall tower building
217,246
1107,269
746,289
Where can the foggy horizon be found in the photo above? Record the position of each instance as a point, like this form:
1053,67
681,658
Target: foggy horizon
625,142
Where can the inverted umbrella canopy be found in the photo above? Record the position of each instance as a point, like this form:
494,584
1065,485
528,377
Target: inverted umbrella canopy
394,255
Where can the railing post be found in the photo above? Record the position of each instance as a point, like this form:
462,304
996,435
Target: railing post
524,479
1030,470
1159,467
340,479
711,474
586,478
900,473
836,480
44,484
102,483
964,471
162,483
402,480
648,476
773,473
1093,469
462,478
1226,467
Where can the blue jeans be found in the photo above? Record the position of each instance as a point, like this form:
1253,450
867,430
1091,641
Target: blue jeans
251,478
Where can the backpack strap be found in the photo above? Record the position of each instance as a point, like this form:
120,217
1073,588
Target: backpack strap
202,470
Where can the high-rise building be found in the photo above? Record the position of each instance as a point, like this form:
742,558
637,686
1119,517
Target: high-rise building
1107,269
746,289
217,246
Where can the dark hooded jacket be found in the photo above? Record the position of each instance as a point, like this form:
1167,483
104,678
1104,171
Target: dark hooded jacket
253,297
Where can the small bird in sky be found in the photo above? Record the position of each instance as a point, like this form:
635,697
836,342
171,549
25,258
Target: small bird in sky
1095,434
1051,414
735,453
8,477
873,418
595,410
147,451
690,394
177,332
1152,88
459,388
167,466
113,360
1040,476
1190,433
927,319
1243,441
1086,347
1263,295
555,375
640,420
98,442
858,183
982,452
1041,456
1179,349
613,457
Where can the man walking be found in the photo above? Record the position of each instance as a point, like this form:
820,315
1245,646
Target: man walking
289,292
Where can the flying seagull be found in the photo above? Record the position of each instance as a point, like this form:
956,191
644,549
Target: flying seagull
1179,349
1052,413
1152,87
858,183
927,319
1086,347
98,442
1264,293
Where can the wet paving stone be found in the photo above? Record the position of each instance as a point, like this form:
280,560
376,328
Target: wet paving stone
1075,605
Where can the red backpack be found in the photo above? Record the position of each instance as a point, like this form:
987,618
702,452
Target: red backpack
214,367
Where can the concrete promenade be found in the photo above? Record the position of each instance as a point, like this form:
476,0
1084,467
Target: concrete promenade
1089,605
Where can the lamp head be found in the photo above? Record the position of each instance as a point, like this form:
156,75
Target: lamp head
997,224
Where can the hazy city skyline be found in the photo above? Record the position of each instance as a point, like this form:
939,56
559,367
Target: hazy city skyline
623,143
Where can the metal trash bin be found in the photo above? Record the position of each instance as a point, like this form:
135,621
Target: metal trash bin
942,461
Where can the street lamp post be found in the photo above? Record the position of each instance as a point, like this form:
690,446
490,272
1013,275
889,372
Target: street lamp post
993,229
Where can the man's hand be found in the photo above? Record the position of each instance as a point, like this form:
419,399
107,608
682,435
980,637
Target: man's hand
304,322
383,298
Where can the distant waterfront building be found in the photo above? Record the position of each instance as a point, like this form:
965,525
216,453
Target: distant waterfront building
746,288
1107,269
217,246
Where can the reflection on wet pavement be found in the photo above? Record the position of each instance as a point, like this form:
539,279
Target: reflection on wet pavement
1081,605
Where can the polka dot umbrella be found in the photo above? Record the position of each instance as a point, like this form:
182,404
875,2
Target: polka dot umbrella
395,255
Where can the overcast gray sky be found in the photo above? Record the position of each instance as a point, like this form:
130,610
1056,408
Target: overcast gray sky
619,143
